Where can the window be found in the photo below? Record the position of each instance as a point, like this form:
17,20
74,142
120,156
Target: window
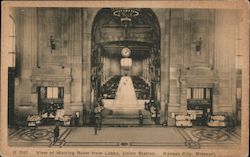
199,93
12,39
238,93
51,92
189,93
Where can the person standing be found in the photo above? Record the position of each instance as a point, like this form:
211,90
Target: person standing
77,117
56,133
98,113
140,119
157,112
96,130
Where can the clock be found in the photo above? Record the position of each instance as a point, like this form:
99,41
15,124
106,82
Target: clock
126,52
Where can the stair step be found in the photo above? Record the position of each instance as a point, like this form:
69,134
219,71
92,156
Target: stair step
124,117
123,121
126,111
114,123
126,121
121,117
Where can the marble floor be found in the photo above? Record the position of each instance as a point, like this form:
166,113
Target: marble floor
169,137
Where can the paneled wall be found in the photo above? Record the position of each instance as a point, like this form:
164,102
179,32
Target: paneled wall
28,34
188,29
26,56
213,66
36,26
225,50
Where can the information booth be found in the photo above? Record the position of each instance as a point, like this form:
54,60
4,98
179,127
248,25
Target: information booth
50,103
199,104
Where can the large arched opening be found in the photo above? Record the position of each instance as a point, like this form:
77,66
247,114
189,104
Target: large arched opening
125,59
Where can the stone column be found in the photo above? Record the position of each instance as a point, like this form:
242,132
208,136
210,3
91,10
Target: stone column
164,21
88,16
67,93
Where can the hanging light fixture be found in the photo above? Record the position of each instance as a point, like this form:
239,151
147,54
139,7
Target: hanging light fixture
126,14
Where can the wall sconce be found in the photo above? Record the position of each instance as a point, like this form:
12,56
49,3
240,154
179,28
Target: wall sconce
52,42
198,44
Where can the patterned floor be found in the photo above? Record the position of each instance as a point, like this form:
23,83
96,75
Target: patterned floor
35,136
171,137
210,137
126,137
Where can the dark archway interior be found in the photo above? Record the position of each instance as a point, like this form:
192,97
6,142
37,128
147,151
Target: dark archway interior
110,35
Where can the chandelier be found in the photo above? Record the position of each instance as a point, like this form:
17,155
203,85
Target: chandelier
126,14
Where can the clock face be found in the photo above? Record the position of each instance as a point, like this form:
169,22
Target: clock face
126,52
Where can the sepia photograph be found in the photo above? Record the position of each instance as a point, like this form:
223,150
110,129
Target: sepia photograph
124,80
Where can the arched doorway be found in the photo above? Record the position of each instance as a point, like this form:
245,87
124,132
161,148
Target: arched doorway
125,58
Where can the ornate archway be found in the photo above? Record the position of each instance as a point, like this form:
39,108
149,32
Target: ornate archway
113,32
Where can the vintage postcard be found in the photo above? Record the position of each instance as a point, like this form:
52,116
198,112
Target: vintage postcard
124,78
